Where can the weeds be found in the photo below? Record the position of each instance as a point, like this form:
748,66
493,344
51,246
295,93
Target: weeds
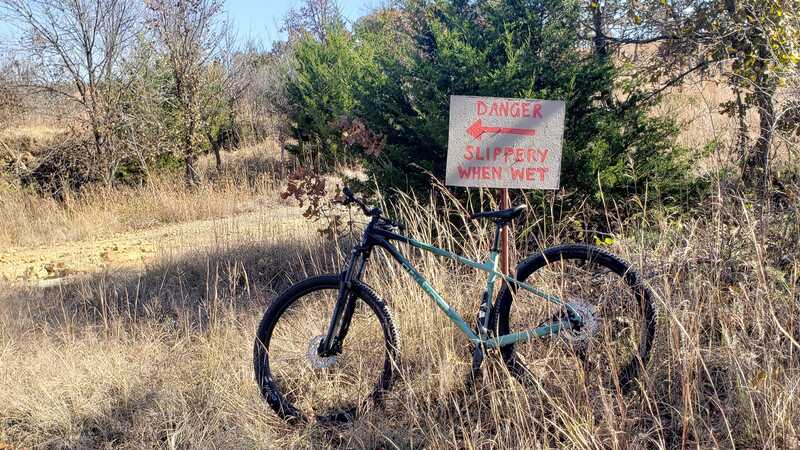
162,358
28,219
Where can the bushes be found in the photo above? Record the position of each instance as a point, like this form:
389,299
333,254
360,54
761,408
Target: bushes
322,90
62,167
398,68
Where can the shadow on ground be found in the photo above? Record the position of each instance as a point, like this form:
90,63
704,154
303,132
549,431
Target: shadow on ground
188,288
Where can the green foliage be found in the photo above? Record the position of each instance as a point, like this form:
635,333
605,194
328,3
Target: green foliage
322,92
130,172
397,70
156,121
761,37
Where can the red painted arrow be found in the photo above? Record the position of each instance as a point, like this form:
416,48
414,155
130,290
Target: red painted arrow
477,129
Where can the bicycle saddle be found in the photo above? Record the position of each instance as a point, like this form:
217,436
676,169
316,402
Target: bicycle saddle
503,215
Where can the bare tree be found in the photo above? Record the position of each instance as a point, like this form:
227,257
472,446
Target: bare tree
10,106
191,34
229,78
9,99
315,17
251,106
77,47
752,44
264,101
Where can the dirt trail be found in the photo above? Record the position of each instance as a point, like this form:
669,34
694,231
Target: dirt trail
45,265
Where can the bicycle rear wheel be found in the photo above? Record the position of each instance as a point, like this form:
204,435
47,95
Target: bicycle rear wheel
615,342
295,381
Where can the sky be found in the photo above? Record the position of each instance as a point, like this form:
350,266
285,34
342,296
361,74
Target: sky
261,20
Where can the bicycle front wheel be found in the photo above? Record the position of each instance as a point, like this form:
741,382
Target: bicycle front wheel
619,319
296,382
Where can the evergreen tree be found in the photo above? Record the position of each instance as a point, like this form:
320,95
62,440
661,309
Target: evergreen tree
398,69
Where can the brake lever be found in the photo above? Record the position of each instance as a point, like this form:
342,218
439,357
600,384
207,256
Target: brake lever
347,198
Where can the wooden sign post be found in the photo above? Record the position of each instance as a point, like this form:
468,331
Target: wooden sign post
504,253
504,143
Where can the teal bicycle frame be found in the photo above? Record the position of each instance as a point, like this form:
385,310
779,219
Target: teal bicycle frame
491,268
379,234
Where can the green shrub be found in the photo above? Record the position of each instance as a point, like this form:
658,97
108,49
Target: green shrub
155,122
322,91
398,68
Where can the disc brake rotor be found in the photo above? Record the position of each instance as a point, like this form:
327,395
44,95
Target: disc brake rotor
588,326
317,361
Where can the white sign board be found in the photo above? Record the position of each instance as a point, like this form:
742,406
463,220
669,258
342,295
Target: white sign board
504,142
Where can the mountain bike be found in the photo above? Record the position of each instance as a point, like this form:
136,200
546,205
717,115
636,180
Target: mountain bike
327,349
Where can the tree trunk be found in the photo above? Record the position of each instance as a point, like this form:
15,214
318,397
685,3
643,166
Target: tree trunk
601,47
101,161
217,157
190,157
189,160
756,166
756,170
216,146
191,176
742,135
281,143
600,43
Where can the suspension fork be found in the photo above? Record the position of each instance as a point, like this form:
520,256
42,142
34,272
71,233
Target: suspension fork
345,302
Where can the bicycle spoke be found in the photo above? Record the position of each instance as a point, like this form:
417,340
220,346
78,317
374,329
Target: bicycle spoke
609,336
325,386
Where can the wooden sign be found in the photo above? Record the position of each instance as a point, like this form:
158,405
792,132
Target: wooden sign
504,142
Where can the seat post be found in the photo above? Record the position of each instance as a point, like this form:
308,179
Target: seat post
504,256
498,235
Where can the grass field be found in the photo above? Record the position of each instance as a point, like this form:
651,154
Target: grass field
153,349
161,356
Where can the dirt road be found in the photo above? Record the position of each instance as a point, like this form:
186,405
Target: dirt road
45,265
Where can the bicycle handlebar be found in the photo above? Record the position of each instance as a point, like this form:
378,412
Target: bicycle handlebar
351,198
370,212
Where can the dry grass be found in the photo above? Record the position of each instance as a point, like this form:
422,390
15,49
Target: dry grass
28,219
39,133
163,358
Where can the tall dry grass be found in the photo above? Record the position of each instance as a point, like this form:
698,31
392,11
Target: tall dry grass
163,358
26,218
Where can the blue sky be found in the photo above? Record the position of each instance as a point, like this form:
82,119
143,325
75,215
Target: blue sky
261,19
